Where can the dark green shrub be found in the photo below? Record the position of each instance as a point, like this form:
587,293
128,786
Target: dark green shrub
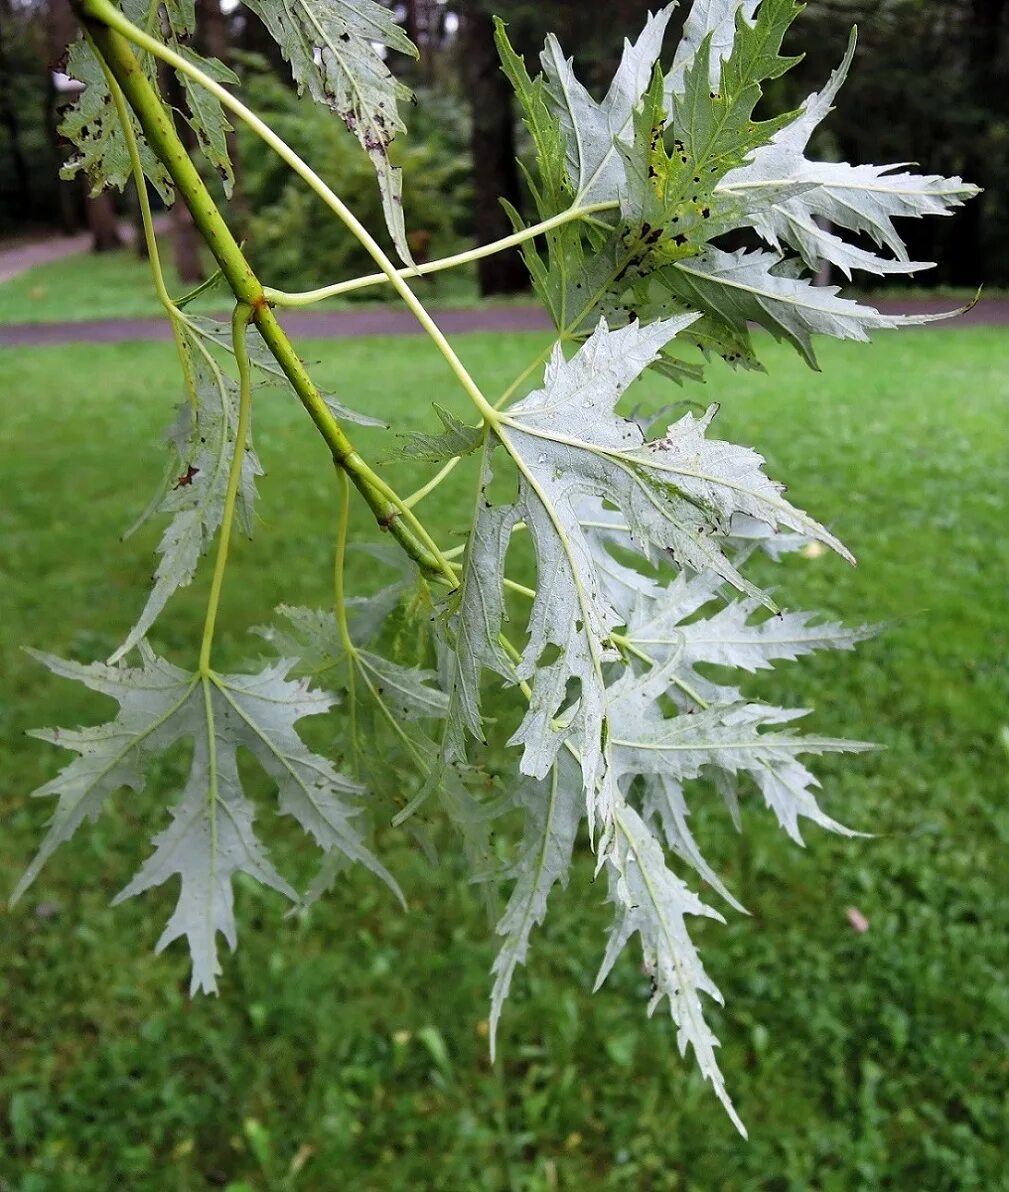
292,238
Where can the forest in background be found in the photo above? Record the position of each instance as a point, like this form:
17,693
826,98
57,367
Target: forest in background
930,85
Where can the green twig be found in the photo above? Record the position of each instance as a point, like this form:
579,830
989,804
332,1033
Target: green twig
147,219
308,297
239,333
112,19
159,129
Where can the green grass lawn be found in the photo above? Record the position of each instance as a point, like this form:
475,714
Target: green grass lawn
92,286
347,1048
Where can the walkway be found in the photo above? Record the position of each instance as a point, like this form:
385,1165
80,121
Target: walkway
385,321
18,257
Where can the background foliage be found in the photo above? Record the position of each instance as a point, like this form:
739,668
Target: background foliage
284,219
930,85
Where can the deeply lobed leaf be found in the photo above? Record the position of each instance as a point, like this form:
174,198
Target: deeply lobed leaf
91,123
203,438
332,46
682,158
211,837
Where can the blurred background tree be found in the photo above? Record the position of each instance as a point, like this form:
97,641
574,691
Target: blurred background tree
931,82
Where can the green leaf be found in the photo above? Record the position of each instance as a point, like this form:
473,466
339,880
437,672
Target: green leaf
386,704
861,199
653,903
456,440
714,22
552,187
713,33
664,804
616,150
470,637
727,737
593,131
713,123
181,16
677,494
219,333
683,156
210,838
406,691
766,288
313,636
650,899
203,438
665,627
92,125
206,116
553,811
332,48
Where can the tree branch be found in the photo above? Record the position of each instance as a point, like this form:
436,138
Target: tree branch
163,139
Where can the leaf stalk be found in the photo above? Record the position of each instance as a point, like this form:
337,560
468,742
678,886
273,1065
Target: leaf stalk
308,297
239,334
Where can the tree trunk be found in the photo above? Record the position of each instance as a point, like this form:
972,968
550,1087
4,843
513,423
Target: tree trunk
213,37
257,40
185,240
103,222
988,94
61,30
9,118
492,142
188,264
411,25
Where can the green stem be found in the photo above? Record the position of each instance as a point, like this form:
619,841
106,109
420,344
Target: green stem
308,297
565,333
202,288
512,586
450,465
339,597
239,332
425,490
147,219
527,372
387,507
101,21
340,611
416,525
163,139
212,787
106,13
516,657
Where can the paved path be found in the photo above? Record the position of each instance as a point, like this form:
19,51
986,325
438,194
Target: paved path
18,258
385,321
